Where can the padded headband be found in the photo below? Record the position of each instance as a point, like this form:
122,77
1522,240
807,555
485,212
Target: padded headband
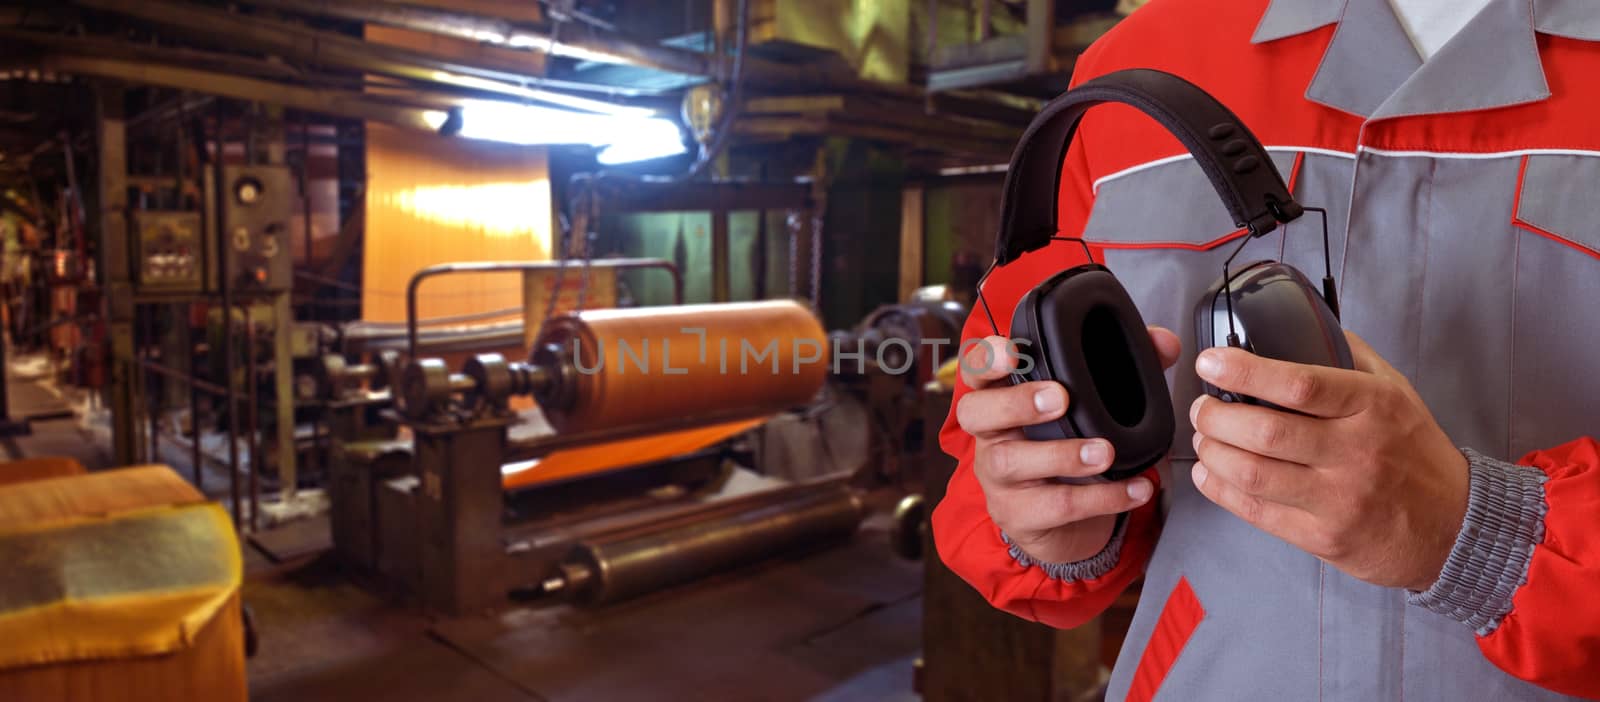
1232,158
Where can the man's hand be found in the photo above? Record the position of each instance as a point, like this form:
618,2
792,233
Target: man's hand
1368,482
1050,521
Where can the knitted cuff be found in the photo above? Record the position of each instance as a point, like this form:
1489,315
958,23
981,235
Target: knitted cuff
1505,520
1087,569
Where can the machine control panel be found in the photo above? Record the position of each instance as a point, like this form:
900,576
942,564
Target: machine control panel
170,250
257,203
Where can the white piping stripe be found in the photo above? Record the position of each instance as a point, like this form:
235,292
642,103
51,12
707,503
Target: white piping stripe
1314,150
1135,169
1474,155
1174,159
1360,149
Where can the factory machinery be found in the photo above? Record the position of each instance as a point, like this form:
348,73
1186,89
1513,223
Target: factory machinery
580,470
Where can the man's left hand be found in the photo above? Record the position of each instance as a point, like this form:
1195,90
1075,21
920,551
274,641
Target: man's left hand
1366,481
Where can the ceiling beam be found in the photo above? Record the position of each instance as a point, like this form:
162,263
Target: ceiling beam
229,30
586,42
328,102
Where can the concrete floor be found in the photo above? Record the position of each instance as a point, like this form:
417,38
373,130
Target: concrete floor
838,625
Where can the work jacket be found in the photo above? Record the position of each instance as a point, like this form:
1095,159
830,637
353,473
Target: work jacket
1463,199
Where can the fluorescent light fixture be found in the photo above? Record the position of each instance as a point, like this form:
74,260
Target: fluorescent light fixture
435,119
621,138
639,149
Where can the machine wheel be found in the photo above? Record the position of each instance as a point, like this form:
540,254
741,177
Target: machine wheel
910,521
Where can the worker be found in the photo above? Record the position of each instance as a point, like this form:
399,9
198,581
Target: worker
1424,527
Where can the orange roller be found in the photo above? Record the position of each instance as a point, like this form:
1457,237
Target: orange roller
611,455
642,366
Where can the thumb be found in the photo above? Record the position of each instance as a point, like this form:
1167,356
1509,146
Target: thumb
1368,360
987,360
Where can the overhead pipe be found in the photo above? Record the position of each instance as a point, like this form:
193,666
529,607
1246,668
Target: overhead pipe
592,43
328,102
301,43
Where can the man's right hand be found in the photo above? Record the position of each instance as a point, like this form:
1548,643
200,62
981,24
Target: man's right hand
1050,521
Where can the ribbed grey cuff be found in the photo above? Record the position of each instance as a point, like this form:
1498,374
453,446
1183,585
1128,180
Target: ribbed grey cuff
1505,520
1087,569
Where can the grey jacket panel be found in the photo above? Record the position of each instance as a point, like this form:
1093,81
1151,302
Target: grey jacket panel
1260,597
1556,294
1435,274
1425,283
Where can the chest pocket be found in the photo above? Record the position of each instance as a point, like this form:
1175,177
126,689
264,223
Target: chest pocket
1165,235
1555,391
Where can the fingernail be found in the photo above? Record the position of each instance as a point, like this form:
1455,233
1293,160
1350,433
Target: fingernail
1207,364
1199,474
1047,401
1095,453
1140,489
1194,408
1194,440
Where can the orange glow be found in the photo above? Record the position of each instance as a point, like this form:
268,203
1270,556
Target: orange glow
433,199
496,209
587,460
424,205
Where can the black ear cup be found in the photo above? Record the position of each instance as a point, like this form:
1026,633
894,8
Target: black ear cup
1277,314
1081,329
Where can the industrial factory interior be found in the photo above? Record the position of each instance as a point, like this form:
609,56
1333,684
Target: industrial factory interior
799,350
505,349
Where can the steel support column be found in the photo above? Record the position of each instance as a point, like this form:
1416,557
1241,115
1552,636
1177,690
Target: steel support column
721,288
283,392
112,196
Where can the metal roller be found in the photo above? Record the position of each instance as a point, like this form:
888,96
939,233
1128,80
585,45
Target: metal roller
426,386
624,564
642,365
338,376
484,385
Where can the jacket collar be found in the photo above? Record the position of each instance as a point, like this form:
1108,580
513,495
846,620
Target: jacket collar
1371,69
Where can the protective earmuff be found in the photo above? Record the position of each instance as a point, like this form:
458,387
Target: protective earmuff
1080,327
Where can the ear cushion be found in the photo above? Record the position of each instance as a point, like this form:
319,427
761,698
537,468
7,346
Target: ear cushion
1081,329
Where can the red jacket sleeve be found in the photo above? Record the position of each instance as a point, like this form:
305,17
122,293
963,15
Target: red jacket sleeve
969,543
1551,636
966,538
